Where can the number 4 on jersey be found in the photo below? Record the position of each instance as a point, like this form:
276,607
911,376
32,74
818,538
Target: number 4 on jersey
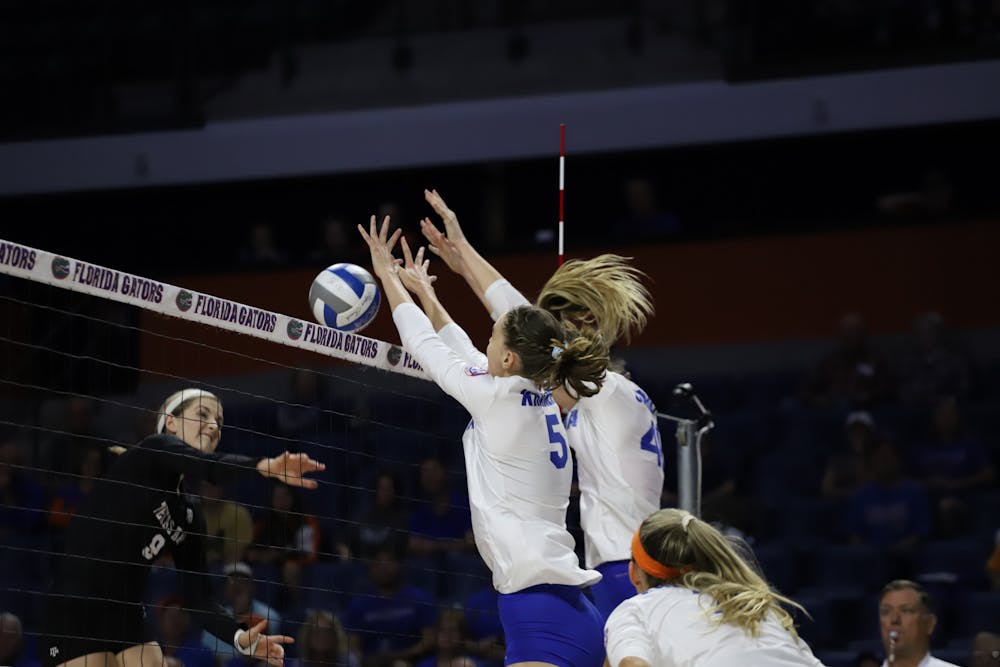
651,443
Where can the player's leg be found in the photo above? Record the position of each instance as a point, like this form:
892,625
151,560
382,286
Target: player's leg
143,655
104,659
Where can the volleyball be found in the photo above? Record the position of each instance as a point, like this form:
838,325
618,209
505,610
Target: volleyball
344,297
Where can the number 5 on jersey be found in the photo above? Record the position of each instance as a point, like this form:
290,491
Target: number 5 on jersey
556,437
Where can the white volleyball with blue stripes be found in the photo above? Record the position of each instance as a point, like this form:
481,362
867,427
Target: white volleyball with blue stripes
345,297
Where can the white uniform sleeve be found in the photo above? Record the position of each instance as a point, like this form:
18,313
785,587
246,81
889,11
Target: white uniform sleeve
502,296
455,337
624,635
474,390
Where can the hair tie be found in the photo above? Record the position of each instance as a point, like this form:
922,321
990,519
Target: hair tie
653,567
688,518
556,351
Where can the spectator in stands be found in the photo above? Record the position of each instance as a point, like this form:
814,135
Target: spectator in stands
239,602
177,637
337,243
228,527
646,219
906,621
993,564
67,497
284,532
22,499
260,249
853,374
932,199
301,413
449,642
985,650
722,504
383,524
390,621
441,521
952,465
934,367
75,428
12,651
846,471
890,512
322,642
482,615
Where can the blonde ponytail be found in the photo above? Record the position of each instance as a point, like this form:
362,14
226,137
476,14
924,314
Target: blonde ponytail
740,595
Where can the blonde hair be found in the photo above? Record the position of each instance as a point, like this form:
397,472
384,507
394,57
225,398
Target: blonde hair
605,293
553,355
740,595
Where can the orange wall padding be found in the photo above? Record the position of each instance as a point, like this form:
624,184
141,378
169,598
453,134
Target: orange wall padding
706,293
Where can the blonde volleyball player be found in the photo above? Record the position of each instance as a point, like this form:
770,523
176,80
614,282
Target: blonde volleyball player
140,510
699,604
614,432
516,457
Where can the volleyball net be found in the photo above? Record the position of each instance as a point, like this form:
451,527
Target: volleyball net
378,551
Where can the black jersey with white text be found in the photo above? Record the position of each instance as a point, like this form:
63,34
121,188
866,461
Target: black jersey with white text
140,511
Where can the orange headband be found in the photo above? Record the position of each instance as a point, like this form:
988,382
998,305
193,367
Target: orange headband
653,567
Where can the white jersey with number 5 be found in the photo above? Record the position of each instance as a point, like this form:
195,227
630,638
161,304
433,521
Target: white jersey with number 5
516,457
617,443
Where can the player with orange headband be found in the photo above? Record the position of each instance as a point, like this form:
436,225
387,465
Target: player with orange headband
699,604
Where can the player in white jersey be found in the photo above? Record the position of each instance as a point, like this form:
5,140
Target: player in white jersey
699,604
515,453
614,432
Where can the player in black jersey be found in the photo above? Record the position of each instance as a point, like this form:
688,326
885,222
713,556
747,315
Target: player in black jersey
142,509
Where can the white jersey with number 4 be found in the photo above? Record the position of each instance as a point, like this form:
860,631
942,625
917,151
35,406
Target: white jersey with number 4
518,465
667,627
617,443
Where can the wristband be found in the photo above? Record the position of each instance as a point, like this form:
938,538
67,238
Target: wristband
249,650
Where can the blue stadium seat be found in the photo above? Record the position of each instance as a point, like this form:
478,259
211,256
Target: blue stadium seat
965,559
778,565
866,645
977,611
330,585
857,564
818,630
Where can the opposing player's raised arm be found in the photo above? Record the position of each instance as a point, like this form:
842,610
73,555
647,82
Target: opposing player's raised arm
496,294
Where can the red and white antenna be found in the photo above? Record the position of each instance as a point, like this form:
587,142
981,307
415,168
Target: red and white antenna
562,186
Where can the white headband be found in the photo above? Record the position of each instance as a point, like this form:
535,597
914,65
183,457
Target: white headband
182,397
686,520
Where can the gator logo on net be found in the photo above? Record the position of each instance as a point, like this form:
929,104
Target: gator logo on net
394,354
294,329
184,300
60,267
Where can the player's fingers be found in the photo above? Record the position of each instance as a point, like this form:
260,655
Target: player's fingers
391,243
407,255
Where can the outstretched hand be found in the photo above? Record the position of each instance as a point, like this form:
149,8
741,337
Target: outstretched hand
444,244
291,469
269,648
380,244
414,273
